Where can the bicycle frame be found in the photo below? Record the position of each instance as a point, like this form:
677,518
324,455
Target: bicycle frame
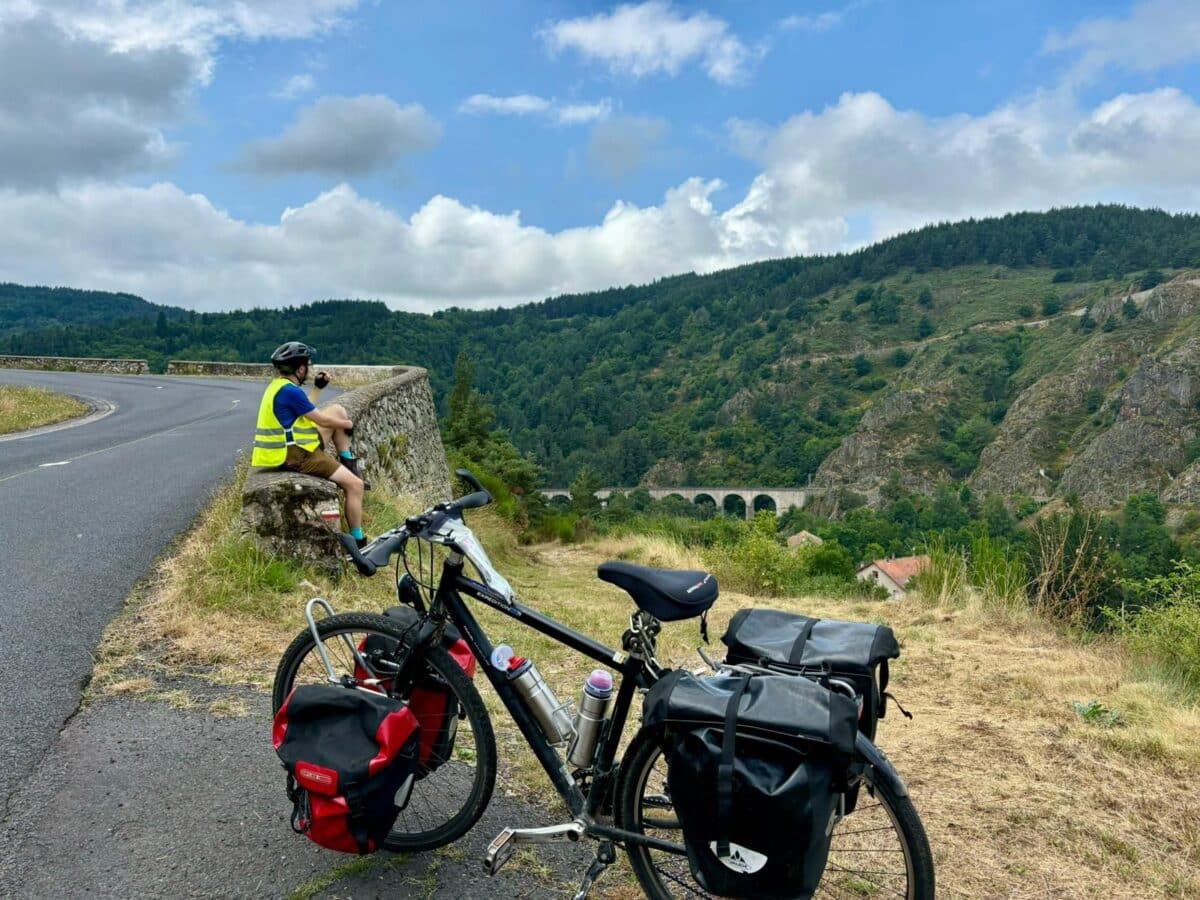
633,670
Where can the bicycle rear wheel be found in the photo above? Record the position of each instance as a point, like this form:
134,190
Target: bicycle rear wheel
879,850
447,799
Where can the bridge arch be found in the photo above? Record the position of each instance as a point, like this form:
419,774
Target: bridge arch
734,505
706,502
765,502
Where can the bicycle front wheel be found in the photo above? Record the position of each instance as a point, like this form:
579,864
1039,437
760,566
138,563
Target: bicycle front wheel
449,795
879,850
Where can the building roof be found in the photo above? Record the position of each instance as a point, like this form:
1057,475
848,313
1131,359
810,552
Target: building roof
803,537
901,569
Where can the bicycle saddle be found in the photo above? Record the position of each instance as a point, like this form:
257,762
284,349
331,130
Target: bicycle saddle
666,594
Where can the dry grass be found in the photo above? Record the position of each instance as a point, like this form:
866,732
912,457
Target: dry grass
1021,797
22,408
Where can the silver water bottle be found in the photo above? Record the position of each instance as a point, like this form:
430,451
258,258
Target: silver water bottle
552,716
593,709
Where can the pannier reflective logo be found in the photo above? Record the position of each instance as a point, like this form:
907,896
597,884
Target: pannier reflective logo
699,584
316,778
740,859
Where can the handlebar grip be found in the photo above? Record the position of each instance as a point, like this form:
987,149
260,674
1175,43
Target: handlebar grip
473,501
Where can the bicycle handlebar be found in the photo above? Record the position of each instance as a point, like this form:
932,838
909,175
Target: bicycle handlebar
381,550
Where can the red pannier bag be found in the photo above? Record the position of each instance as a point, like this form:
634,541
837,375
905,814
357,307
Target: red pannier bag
351,759
431,698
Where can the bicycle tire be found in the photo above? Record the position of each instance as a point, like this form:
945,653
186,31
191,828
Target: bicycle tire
667,876
478,747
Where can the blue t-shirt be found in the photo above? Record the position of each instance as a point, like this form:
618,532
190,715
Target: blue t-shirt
290,404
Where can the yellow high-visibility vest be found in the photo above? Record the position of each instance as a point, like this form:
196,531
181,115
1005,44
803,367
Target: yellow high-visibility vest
271,439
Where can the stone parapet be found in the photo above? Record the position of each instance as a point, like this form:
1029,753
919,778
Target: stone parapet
342,375
399,447
396,435
77,364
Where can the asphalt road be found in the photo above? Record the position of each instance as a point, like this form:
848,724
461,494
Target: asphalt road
84,512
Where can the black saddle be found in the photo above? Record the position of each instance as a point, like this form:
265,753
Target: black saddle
666,594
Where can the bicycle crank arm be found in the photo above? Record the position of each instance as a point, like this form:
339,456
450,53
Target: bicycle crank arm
500,850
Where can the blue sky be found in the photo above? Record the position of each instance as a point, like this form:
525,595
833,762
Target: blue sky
221,154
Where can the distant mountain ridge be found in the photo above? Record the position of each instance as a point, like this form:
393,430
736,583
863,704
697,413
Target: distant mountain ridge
908,357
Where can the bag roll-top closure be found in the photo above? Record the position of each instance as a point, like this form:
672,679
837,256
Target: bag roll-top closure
783,707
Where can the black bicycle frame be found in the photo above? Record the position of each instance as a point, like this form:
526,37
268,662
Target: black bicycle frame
633,671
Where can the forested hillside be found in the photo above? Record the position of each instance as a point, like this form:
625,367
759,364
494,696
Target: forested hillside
909,354
28,308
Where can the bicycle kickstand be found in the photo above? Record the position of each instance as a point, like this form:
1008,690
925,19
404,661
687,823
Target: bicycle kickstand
605,857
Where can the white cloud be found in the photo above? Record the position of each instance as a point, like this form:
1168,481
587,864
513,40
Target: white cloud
532,105
818,23
345,136
195,27
1156,34
825,178
72,108
862,158
296,86
652,38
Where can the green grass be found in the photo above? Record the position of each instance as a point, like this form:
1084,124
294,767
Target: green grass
22,408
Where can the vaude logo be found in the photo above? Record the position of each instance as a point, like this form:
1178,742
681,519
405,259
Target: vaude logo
741,859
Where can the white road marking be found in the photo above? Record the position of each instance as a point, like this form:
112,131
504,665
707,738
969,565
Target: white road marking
65,462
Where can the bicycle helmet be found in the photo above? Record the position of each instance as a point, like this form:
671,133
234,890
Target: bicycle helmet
288,357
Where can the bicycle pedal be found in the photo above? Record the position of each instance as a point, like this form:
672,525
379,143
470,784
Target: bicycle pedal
499,851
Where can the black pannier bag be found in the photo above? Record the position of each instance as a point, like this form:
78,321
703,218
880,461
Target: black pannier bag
351,757
856,652
755,766
431,700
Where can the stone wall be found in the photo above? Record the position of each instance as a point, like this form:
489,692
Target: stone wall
77,364
399,446
341,375
396,435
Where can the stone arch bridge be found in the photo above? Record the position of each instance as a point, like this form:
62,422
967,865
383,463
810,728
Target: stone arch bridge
726,499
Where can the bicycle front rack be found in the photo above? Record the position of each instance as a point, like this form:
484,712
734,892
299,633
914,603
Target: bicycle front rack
312,628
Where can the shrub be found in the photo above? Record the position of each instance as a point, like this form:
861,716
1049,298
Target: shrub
1165,630
1051,306
999,574
944,580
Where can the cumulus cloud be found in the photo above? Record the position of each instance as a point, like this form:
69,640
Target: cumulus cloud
345,136
532,105
71,107
621,146
194,27
863,158
1155,34
860,168
652,38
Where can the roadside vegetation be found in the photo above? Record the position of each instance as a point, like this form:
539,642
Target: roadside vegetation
22,408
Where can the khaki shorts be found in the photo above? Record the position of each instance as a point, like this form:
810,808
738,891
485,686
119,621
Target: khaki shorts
318,463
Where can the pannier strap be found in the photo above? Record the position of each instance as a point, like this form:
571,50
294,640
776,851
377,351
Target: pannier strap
357,820
797,653
725,770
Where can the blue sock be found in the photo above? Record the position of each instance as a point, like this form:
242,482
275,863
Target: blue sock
356,533
346,454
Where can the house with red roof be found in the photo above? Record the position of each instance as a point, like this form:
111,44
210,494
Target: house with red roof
893,574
